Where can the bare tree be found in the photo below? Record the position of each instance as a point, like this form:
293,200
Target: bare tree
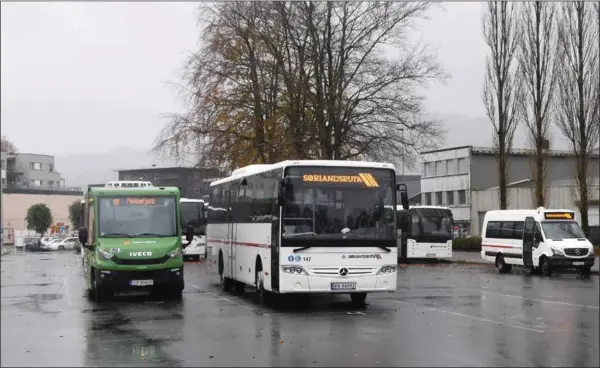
7,146
278,80
578,91
537,64
501,91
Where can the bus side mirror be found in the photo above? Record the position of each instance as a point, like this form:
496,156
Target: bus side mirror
403,195
189,235
83,235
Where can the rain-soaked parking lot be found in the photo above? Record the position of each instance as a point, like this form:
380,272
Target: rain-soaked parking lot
441,315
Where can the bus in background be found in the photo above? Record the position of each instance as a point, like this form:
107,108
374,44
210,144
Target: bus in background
128,184
132,239
304,227
193,213
430,232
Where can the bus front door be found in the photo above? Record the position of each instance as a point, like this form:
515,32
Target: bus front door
528,239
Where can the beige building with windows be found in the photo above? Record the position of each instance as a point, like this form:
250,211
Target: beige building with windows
15,203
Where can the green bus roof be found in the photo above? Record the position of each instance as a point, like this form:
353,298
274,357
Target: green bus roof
106,191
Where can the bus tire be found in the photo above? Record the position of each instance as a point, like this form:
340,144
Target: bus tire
100,293
264,297
501,266
358,299
239,287
545,268
226,282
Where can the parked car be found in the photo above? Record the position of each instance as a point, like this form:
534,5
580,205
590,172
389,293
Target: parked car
67,243
33,244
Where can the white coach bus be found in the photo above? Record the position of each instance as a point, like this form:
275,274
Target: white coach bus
429,234
540,240
303,227
193,212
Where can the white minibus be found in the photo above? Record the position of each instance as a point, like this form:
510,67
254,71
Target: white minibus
540,240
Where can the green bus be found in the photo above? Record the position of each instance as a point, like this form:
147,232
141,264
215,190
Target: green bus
132,239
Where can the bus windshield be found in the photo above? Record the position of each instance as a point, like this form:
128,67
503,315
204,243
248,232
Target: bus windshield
137,216
431,224
328,203
558,230
191,213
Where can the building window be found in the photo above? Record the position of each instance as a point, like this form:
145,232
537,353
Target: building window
2,165
156,176
51,167
450,197
452,167
426,199
36,166
3,181
36,182
439,198
440,168
50,184
462,197
463,165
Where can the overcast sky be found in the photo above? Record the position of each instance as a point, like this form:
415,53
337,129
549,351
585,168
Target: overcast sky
92,76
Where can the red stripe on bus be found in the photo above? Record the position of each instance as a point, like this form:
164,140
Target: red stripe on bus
245,244
497,246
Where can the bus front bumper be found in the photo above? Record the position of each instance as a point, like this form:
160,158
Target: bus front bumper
318,284
567,262
136,280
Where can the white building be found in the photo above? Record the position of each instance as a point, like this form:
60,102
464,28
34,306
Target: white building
451,175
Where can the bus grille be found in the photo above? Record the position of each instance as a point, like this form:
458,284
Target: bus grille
332,271
576,252
134,262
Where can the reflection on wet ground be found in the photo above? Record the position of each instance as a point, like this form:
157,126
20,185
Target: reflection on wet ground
449,315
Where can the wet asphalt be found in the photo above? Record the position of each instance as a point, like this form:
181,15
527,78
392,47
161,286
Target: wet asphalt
441,315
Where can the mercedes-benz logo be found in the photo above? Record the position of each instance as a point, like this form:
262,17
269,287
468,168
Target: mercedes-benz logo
577,252
343,271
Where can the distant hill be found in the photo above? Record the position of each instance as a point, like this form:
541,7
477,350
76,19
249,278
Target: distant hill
93,168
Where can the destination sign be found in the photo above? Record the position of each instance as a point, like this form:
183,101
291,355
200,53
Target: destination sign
137,201
558,215
361,178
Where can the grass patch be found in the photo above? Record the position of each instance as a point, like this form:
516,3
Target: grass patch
468,244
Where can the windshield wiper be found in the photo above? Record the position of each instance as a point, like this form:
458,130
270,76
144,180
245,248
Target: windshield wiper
301,249
151,234
121,235
298,234
385,248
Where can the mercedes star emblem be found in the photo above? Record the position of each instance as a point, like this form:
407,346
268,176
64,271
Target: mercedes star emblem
577,252
343,271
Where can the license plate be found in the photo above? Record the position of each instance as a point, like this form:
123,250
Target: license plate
141,282
578,263
430,255
343,286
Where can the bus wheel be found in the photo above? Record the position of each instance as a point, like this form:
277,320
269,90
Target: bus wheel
358,299
501,266
226,283
100,293
545,267
239,287
264,297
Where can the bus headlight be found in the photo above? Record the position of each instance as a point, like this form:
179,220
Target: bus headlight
557,251
174,253
294,270
105,255
387,269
